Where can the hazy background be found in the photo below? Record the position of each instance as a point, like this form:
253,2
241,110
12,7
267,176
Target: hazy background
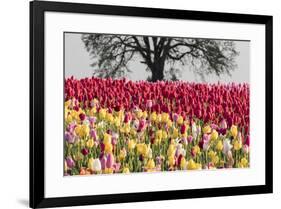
78,61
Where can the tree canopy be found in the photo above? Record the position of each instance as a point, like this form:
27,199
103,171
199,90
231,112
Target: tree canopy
112,54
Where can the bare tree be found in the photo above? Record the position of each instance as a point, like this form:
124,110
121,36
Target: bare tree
113,53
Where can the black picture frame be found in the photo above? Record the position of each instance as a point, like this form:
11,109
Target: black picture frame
37,115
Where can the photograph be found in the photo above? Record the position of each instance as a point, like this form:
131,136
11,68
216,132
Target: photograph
135,103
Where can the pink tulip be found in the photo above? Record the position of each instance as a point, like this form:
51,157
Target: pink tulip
109,160
189,139
149,104
103,160
70,162
93,134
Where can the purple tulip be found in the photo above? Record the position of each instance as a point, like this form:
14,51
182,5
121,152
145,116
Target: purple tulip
222,131
189,139
71,127
70,162
214,126
175,117
82,116
116,167
114,140
93,134
92,119
103,161
184,141
206,137
109,160
69,137
158,160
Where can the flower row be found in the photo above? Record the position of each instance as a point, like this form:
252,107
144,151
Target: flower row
209,102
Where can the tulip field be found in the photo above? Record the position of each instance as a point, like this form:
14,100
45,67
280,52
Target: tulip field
123,126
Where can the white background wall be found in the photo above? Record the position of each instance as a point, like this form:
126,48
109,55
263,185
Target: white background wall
14,102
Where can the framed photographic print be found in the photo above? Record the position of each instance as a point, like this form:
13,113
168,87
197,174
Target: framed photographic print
140,104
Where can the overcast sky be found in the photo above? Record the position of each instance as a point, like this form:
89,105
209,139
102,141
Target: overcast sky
78,61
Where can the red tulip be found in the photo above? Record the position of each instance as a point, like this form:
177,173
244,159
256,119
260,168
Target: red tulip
183,129
85,151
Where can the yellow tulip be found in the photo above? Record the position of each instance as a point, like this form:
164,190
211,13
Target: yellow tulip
171,150
91,163
67,103
109,117
214,135
158,135
196,149
90,143
66,112
219,146
93,111
107,138
234,131
142,149
213,156
244,162
131,144
175,133
139,114
108,148
145,150
191,165
164,135
150,164
127,128
77,130
117,122
144,114
207,130
102,113
169,123
85,130
237,145
159,118
184,135
108,170
153,117
165,117
183,163
82,130
122,154
171,161
180,120
126,170
69,118
133,132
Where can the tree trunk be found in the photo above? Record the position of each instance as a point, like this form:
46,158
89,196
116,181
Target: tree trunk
157,70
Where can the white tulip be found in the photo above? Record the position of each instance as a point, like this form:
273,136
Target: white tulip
97,165
226,146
